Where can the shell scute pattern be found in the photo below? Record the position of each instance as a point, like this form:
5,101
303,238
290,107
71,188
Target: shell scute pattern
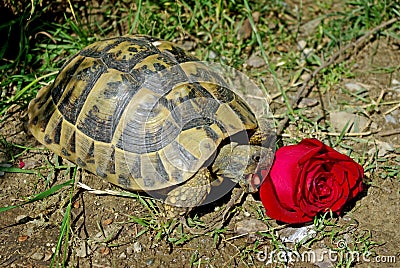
137,111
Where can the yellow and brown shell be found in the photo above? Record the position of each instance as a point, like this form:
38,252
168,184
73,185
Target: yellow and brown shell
137,111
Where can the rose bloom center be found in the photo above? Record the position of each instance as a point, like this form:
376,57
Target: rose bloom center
322,188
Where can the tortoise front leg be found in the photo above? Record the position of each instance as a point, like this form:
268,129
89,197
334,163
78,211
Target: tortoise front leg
182,199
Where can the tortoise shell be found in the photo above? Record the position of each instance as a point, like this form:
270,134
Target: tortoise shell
139,112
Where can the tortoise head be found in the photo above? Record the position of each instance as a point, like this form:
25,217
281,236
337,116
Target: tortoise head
242,164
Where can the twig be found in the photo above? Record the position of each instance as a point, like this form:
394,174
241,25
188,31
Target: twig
392,109
390,132
336,58
337,134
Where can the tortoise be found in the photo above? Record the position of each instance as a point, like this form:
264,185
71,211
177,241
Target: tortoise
145,115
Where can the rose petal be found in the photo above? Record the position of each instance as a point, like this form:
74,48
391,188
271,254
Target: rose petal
283,175
275,210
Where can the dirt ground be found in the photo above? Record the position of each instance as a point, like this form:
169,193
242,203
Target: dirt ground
103,234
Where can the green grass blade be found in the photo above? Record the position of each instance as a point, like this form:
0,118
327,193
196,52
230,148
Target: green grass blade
16,170
41,195
137,17
65,227
64,231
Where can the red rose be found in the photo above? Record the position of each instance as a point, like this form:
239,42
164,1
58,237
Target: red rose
309,178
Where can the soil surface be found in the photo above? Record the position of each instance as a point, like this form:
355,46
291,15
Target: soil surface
105,231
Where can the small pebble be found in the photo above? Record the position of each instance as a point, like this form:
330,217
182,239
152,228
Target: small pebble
307,102
149,261
255,61
396,85
383,149
296,235
246,214
249,226
47,256
353,87
188,45
307,52
81,251
305,76
98,235
137,247
309,27
245,30
217,208
31,163
374,126
354,122
37,256
4,165
301,45
390,119
212,55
